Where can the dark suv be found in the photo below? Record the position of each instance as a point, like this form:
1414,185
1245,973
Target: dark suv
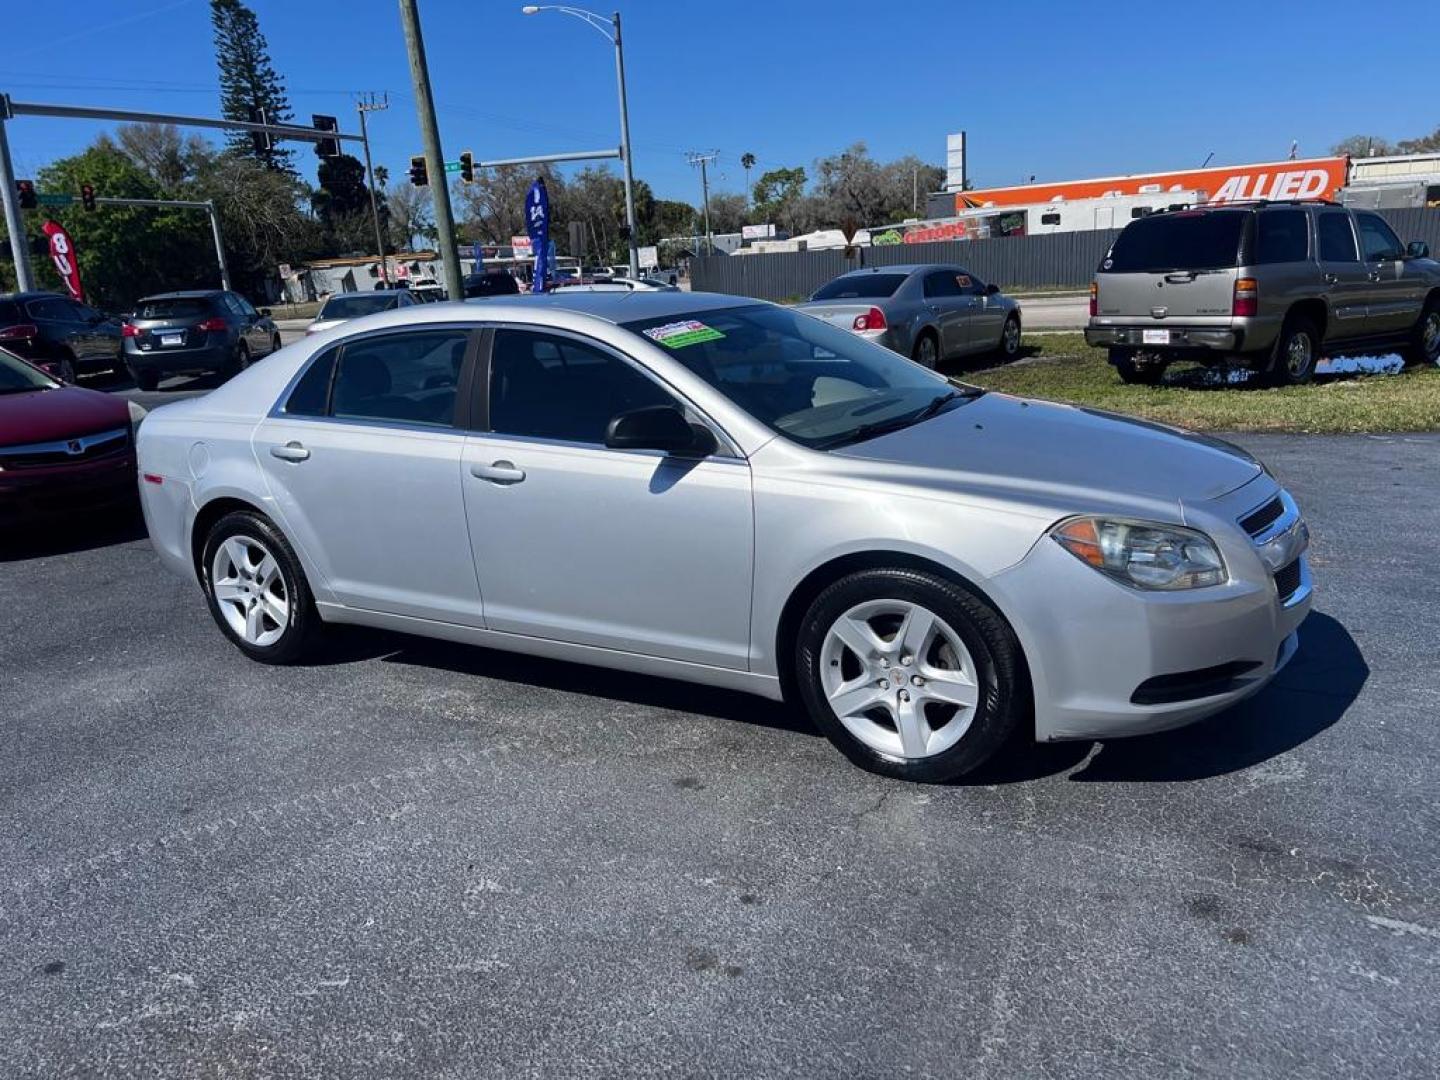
195,333
65,338
1269,285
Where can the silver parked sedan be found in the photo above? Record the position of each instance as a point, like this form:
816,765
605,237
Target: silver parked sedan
927,312
734,494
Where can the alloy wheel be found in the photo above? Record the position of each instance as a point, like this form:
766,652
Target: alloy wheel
899,678
250,590
1430,336
927,354
1011,341
1297,354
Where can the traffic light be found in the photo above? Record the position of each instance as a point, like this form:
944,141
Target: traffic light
326,148
467,166
260,140
25,189
87,196
417,172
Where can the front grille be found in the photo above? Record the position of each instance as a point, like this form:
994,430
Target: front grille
65,451
1257,521
1287,580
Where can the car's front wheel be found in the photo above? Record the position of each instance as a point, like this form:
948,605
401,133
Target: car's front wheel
1010,338
909,674
256,589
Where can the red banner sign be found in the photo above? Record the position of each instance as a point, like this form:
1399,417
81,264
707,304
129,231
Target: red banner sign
62,254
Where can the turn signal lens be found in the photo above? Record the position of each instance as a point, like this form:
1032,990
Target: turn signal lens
1247,297
1142,554
216,323
1094,298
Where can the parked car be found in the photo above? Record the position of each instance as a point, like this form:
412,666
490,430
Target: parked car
198,332
427,292
65,338
62,448
616,284
733,493
927,312
490,283
342,306
1272,286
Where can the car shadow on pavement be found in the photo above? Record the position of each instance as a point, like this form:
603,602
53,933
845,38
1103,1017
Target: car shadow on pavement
39,539
660,693
957,367
1311,694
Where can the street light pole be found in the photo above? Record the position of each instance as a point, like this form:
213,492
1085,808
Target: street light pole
364,107
14,221
434,159
611,29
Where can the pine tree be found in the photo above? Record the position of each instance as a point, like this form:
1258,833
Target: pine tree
248,79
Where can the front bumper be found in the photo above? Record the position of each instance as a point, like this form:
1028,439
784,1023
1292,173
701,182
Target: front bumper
53,491
1114,661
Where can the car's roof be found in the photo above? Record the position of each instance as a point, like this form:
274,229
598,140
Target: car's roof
36,294
181,294
619,307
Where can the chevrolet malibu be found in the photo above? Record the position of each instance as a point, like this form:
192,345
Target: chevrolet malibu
739,495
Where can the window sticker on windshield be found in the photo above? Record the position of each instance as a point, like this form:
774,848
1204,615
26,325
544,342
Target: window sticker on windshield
677,335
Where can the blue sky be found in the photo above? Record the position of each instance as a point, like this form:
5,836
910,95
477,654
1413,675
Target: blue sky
1058,90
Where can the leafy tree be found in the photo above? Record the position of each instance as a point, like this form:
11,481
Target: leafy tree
493,207
747,162
162,151
672,218
779,186
247,78
410,214
342,190
728,212
1363,146
1426,144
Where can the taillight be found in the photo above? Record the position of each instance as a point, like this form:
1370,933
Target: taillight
874,319
216,323
1247,297
126,330
1094,298
18,331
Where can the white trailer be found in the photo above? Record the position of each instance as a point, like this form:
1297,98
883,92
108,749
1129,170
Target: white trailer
1104,211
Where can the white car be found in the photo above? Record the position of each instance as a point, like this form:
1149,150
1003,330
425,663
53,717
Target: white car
344,306
736,494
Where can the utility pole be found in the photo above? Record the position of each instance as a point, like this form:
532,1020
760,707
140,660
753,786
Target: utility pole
434,159
14,220
630,224
368,104
705,161
915,191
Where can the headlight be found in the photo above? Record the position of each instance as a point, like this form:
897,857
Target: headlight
1143,554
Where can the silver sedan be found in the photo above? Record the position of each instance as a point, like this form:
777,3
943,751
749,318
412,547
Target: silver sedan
734,494
928,311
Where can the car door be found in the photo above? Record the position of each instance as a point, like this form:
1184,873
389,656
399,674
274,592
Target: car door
362,456
102,336
242,316
623,549
950,308
984,319
59,326
1347,283
1395,297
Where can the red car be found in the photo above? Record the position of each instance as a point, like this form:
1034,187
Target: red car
62,448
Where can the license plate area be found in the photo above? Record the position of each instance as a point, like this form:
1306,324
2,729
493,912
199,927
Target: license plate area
178,339
1155,337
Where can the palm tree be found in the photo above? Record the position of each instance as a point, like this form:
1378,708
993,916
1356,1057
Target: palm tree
747,162
382,176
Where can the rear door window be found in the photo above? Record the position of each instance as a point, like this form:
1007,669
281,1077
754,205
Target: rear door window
941,284
406,377
860,287
1282,236
1188,240
50,309
1337,239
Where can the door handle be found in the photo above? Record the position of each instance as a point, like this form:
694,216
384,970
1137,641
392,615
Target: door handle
291,451
1331,279
499,472
1374,275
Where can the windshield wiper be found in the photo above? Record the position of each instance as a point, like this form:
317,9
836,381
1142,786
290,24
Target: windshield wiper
895,423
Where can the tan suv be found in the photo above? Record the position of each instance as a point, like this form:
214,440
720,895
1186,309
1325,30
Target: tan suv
1270,285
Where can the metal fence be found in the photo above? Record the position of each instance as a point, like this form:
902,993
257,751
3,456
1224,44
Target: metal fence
1012,262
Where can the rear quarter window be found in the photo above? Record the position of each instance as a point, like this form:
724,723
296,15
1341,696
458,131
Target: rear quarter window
1189,240
1282,236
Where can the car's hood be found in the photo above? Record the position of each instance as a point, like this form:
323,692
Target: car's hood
50,415
1063,450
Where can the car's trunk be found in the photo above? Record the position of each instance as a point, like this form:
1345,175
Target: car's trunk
1193,296
841,313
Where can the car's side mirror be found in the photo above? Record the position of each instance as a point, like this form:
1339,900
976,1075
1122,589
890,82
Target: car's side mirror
1417,249
658,427
992,289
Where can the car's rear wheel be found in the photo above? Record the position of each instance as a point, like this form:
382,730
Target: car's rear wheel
256,589
1293,362
1137,369
65,370
909,674
145,380
1010,338
276,344
1425,340
241,360
927,349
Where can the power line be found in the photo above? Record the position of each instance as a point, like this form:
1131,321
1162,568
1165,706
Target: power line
704,160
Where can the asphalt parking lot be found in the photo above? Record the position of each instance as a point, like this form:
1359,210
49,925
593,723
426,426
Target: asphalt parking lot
416,859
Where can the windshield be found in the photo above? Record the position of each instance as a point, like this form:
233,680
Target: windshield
354,305
17,377
172,307
1188,240
860,287
811,382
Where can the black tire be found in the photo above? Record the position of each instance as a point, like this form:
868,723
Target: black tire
276,344
1287,368
303,620
927,350
145,380
1003,700
241,360
1425,338
1009,347
65,371
1137,372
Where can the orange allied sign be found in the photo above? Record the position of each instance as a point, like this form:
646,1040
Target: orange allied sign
1316,178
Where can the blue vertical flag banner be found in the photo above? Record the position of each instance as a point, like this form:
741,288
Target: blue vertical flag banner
479,257
537,225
